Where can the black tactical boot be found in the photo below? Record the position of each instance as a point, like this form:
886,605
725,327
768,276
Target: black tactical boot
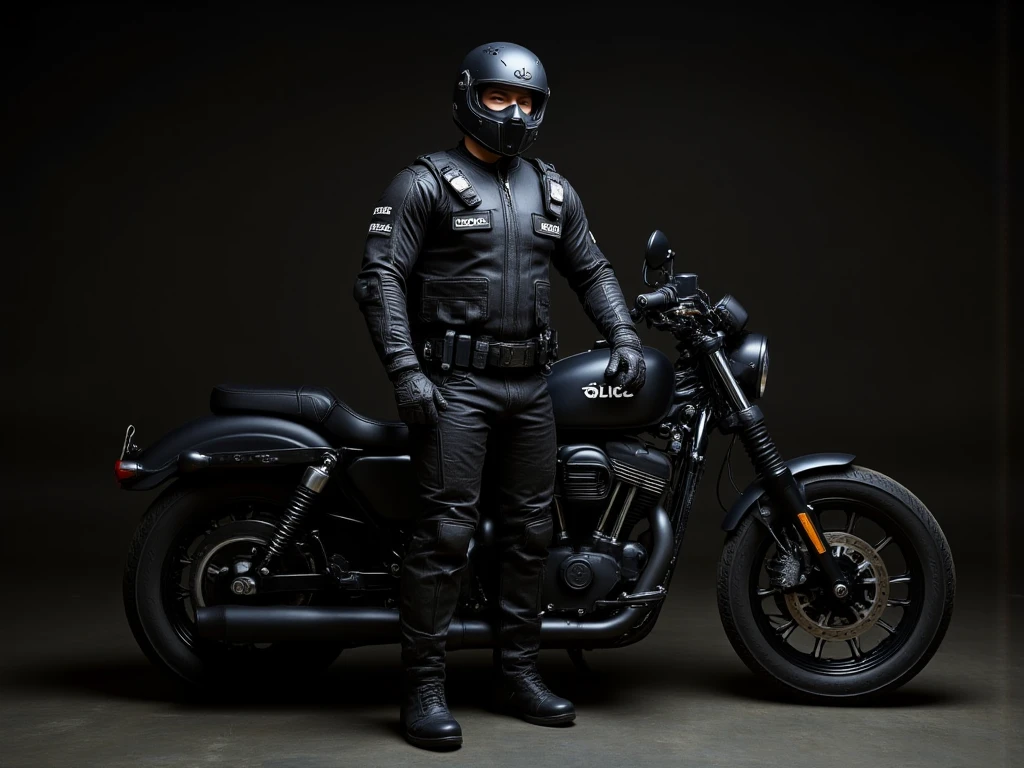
429,589
525,695
518,688
426,721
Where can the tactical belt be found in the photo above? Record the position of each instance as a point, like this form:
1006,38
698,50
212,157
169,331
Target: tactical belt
463,351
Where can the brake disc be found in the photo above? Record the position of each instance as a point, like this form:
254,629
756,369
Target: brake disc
869,593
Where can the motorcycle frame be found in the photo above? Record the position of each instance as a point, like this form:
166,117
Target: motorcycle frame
719,395
688,463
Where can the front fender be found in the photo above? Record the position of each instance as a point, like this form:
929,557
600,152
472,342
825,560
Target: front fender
798,466
218,434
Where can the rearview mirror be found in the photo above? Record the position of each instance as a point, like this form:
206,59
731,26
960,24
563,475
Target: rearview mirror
657,252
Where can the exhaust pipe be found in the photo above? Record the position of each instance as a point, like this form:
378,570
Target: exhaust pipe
361,626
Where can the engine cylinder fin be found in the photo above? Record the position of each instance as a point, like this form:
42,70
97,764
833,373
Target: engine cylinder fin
642,503
585,481
638,477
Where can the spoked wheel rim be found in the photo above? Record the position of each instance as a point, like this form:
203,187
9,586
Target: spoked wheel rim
887,581
205,559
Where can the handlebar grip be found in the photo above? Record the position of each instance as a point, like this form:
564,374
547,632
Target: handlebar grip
655,300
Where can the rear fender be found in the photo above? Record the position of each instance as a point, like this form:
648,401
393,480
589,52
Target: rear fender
245,433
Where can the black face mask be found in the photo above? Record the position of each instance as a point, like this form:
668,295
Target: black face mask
512,131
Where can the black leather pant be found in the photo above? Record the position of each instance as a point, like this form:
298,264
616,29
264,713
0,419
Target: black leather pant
505,416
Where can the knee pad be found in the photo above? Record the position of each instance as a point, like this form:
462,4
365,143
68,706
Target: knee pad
537,535
454,536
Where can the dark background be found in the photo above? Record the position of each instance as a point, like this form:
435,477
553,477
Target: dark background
187,190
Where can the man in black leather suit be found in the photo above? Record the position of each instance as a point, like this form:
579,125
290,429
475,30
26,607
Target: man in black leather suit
455,290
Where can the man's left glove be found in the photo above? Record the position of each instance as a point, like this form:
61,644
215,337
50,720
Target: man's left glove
627,355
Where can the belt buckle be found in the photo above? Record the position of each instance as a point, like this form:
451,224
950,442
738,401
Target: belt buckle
519,355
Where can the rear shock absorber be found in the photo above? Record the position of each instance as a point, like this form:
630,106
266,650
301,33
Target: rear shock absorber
306,492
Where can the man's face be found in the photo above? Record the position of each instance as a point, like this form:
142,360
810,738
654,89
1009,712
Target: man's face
499,97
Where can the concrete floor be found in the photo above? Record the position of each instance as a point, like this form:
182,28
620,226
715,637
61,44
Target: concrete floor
76,691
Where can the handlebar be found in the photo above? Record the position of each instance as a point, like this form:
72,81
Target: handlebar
654,301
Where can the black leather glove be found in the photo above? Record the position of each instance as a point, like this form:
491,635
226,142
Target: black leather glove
626,367
416,396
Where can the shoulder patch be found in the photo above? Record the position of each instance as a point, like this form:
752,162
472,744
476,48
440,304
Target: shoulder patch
555,190
453,176
545,227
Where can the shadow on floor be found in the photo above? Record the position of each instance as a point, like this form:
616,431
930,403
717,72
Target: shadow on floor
378,682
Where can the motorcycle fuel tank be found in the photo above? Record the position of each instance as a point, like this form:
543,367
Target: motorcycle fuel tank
584,399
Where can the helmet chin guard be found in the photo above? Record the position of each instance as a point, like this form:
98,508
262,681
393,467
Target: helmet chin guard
510,131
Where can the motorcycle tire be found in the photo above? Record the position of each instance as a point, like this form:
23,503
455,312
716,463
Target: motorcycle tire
162,634
929,578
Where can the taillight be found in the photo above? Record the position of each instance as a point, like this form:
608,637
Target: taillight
125,469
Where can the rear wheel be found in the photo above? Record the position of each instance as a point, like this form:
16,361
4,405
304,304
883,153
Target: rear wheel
898,563
187,550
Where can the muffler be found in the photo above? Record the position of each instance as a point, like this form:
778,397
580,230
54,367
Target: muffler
359,626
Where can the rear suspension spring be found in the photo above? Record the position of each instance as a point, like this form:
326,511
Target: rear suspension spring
303,498
291,521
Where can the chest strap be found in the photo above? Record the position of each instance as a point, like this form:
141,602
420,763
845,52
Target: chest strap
554,191
451,173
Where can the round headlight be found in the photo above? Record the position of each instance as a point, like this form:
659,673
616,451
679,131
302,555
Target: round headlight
748,359
762,381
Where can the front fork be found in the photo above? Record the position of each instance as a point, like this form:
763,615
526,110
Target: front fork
782,488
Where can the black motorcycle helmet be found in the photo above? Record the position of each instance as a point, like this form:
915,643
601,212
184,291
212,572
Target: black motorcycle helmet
510,131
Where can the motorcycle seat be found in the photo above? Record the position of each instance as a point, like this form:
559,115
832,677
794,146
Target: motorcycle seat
317,406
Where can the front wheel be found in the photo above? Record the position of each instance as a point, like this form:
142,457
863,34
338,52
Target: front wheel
903,582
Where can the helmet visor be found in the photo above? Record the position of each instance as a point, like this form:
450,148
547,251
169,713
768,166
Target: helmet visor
495,99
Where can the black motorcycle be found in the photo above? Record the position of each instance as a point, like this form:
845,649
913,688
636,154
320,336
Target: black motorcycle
281,539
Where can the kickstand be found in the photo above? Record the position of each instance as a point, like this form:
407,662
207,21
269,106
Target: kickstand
576,655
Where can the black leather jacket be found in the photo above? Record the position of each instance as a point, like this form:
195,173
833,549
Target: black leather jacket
435,258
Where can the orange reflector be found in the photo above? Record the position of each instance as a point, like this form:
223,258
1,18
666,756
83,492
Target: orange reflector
812,534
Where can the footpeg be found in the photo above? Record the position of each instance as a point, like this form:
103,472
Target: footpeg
342,576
